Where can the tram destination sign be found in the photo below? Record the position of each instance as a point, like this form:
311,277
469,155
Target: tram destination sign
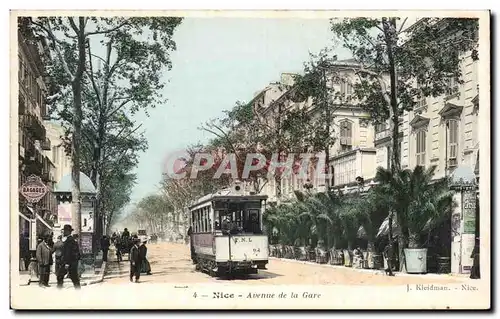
33,189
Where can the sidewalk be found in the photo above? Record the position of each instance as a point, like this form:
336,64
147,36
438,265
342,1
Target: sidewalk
461,277
90,276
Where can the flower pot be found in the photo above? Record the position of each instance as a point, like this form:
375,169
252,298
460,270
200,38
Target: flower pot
443,265
377,262
347,258
366,256
311,255
302,253
321,256
416,260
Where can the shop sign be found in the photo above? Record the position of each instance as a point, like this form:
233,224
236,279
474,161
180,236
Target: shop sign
33,189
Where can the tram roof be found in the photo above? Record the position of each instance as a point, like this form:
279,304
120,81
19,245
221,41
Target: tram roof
225,194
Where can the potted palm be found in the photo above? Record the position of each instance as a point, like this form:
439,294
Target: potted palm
350,224
420,204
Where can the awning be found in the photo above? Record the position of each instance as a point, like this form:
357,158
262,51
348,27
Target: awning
43,221
23,216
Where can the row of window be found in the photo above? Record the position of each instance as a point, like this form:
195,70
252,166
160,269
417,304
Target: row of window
236,217
28,80
451,143
201,221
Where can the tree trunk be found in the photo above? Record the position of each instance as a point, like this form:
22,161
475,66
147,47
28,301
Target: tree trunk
76,134
389,27
75,157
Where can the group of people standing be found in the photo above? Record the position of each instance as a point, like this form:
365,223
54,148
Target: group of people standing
67,256
137,250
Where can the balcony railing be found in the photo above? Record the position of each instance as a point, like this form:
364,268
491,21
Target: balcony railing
382,134
35,126
345,140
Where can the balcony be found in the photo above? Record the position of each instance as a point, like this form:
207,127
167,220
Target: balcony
382,134
345,140
350,165
45,144
33,125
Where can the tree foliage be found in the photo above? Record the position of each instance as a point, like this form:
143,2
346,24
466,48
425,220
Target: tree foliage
102,72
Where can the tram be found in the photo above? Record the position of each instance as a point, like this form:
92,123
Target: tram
226,232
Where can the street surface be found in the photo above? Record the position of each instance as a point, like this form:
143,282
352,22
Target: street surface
171,263
175,284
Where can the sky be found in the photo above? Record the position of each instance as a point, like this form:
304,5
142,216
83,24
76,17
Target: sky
219,61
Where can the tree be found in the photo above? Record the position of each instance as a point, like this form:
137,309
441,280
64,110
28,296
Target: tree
132,78
401,65
316,84
247,130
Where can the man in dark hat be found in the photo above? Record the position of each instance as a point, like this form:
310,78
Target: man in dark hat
105,247
44,260
69,260
135,261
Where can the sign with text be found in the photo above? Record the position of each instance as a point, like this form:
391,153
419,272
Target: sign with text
86,243
33,189
469,212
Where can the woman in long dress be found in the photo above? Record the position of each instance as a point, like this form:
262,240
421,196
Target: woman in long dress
145,266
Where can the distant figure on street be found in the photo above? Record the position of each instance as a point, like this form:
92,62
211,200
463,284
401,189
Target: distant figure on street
24,251
135,262
44,260
58,252
105,247
143,252
113,237
389,255
474,272
125,233
70,259
191,243
118,246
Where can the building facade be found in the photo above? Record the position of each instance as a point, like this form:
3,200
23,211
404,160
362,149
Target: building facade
32,134
440,131
353,152
57,154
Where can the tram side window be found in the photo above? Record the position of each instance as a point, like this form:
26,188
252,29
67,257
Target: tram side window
192,221
200,221
204,219
253,223
209,220
217,220
197,221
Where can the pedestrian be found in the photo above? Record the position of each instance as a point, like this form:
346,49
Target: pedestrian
118,246
24,251
474,272
58,251
135,262
105,247
125,233
44,260
389,255
143,252
70,259
50,240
